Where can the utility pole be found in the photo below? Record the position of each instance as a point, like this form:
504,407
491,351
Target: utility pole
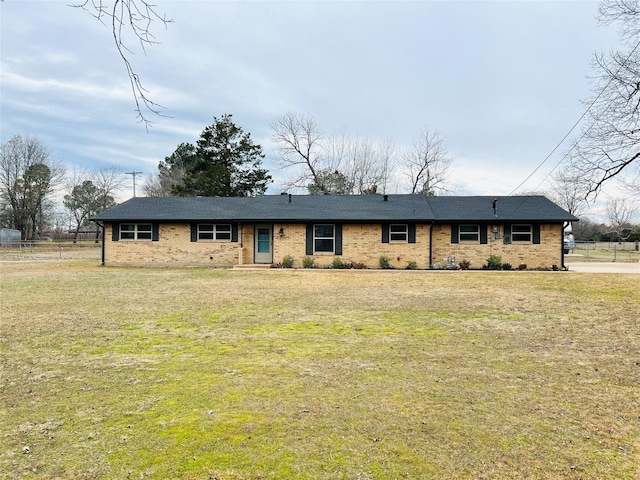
133,174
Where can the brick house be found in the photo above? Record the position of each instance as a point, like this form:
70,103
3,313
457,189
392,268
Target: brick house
224,232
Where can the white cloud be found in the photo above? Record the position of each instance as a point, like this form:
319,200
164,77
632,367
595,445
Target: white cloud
500,80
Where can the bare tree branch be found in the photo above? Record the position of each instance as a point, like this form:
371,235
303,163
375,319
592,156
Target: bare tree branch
130,17
428,163
620,214
339,163
610,143
298,138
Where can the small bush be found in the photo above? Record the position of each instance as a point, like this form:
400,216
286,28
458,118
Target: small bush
522,266
494,262
353,266
287,262
506,266
412,265
464,265
336,263
437,266
384,262
308,262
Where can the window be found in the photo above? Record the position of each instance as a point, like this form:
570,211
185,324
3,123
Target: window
136,231
398,233
469,233
323,238
521,233
213,231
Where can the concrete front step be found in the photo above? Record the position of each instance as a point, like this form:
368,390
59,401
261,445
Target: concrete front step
253,265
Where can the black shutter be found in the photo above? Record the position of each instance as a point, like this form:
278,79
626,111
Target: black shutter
412,233
507,234
115,232
155,232
536,234
454,234
483,234
309,245
194,232
385,233
338,234
234,232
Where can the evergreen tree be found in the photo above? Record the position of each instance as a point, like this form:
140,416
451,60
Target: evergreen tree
226,164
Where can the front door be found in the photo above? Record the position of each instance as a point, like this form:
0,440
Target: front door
263,252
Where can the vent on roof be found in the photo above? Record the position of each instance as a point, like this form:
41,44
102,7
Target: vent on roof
386,197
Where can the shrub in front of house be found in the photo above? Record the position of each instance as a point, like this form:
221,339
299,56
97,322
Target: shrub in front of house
412,265
494,262
336,263
465,264
384,262
354,265
287,262
308,262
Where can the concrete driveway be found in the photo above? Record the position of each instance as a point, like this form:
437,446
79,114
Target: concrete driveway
603,267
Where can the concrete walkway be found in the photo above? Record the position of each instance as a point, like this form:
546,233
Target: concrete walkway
603,267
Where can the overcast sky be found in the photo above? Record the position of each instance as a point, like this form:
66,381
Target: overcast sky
501,81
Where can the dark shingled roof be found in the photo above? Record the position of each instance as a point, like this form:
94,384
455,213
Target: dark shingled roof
335,208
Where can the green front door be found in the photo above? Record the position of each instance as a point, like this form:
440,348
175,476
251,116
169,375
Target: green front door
263,248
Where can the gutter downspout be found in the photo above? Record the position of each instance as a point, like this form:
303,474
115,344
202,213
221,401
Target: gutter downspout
431,246
564,225
101,225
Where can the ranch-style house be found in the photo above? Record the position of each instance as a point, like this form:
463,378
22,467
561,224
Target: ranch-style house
427,231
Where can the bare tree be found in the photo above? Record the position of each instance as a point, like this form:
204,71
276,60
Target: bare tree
171,172
610,143
339,163
109,180
154,187
28,177
363,163
427,164
621,213
91,192
130,17
567,192
299,146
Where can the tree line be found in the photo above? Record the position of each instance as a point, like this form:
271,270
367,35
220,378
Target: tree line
29,178
226,162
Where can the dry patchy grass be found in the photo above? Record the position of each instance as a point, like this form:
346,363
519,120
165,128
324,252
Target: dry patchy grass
276,374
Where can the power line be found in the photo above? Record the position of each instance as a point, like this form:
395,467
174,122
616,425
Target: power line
611,78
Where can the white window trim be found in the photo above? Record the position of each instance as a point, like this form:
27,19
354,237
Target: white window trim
136,232
332,238
529,233
476,232
404,233
215,232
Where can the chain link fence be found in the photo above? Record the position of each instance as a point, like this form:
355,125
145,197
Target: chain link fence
606,251
50,250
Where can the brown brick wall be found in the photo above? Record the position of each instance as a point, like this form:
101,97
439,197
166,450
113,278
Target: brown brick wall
174,248
544,255
361,243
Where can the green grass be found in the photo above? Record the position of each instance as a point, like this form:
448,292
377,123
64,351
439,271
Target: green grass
315,374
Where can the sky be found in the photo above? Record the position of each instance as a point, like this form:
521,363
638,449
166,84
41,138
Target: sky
501,81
